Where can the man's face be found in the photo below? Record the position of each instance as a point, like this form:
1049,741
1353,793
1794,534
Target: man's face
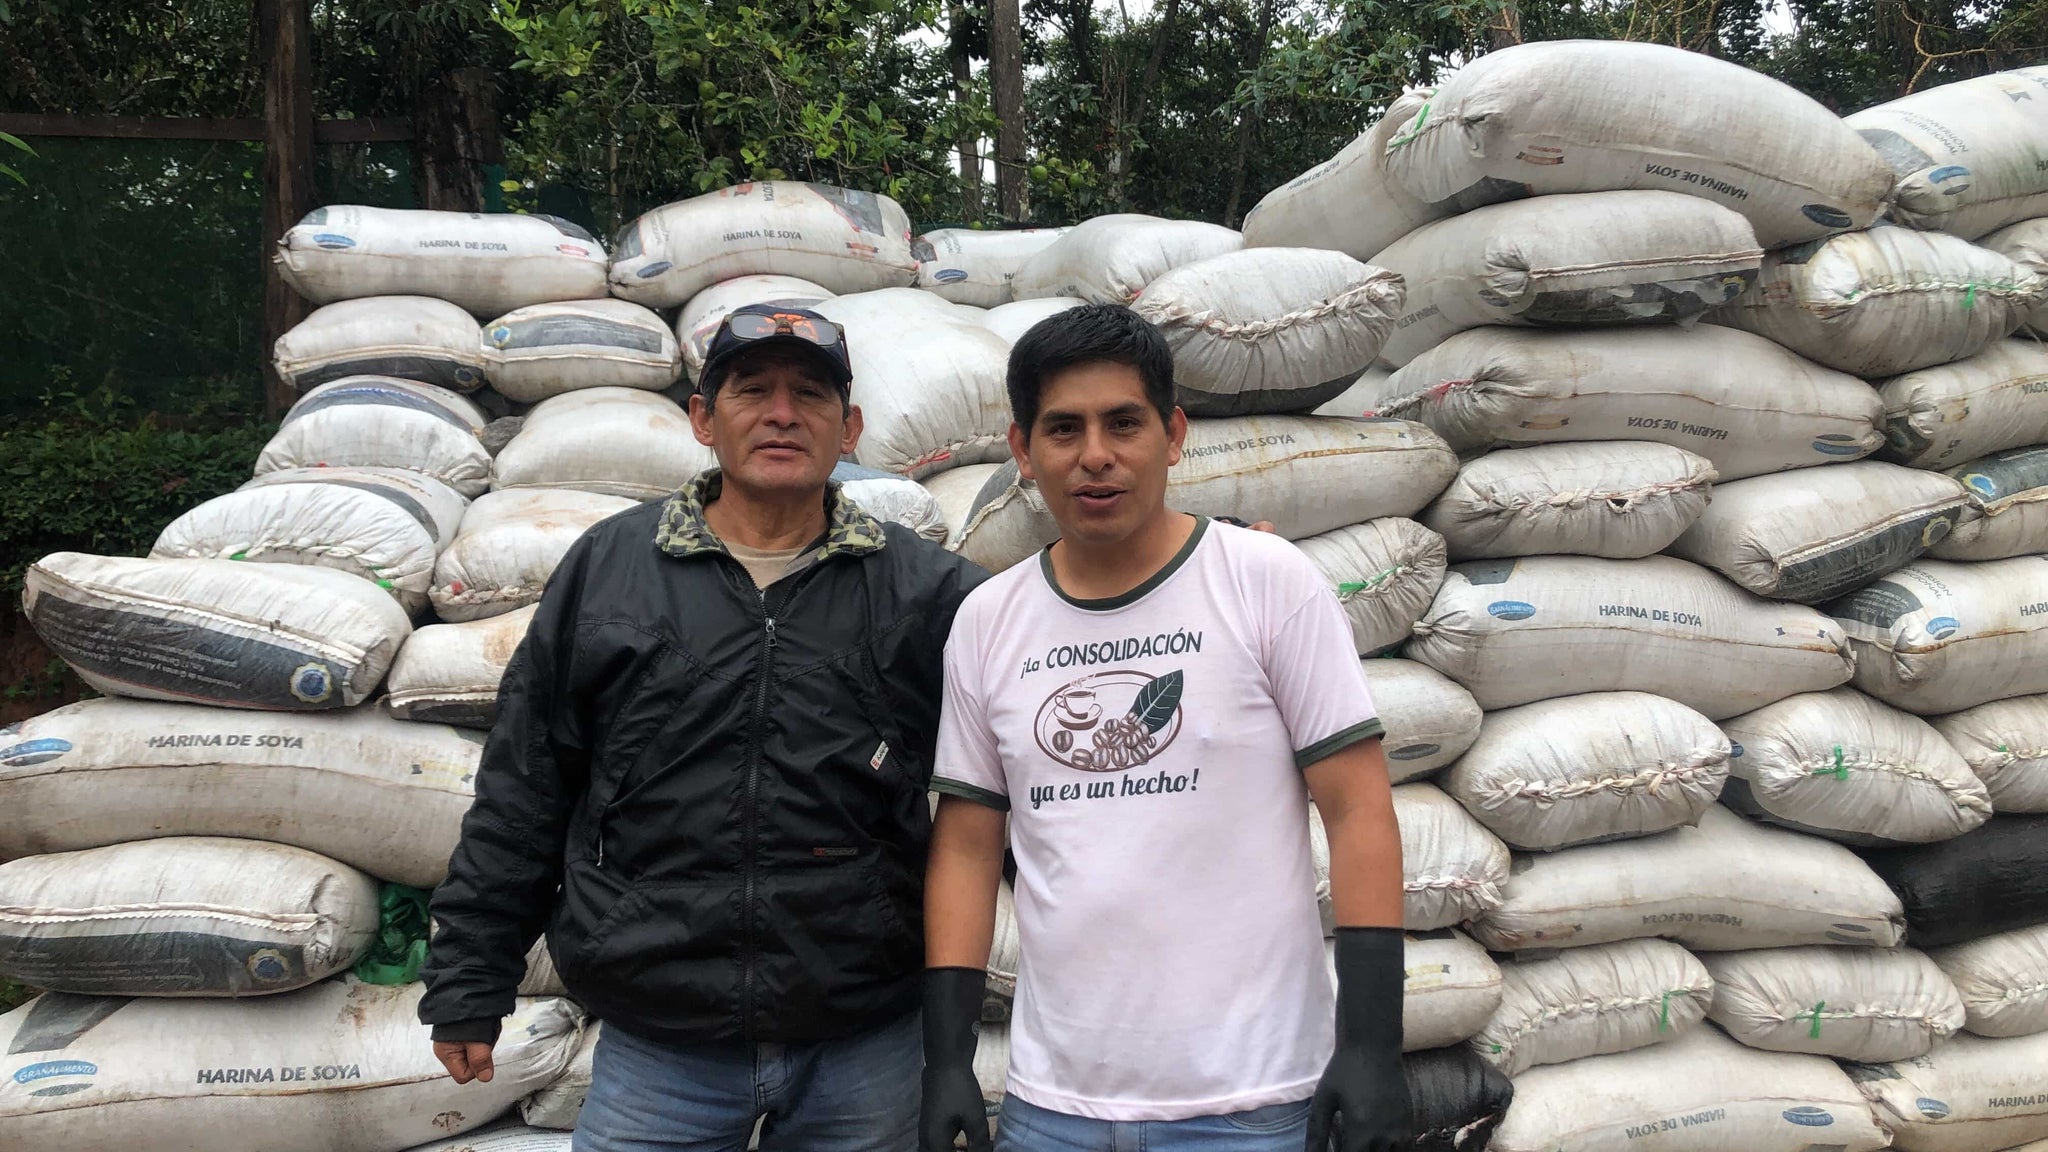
779,424
1099,451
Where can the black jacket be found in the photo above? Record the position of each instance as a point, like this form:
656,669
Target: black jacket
713,800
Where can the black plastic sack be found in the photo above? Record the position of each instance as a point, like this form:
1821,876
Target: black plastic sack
1458,1099
1992,879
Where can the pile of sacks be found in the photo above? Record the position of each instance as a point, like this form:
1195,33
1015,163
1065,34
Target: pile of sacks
1693,544
1736,725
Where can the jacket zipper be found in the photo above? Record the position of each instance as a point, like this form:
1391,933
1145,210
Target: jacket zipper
753,832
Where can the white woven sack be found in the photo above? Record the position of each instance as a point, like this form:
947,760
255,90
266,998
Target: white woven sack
698,322
1726,884
1595,115
544,350
992,1066
1886,301
336,526
541,978
1012,321
1737,399
930,388
356,786
1110,259
1812,535
1971,1094
338,1067
1346,203
1452,868
1603,258
1967,155
954,491
1005,954
1841,765
892,499
1848,1003
1429,719
2005,744
449,673
1593,1001
182,916
487,264
973,265
1622,500
1944,416
434,505
269,636
844,239
2026,244
503,1137
383,422
1270,329
2003,981
508,547
1516,631
411,337
1935,637
605,441
1360,400
886,306
2008,493
1700,1093
559,1104
1585,769
1450,988
1306,474
1385,571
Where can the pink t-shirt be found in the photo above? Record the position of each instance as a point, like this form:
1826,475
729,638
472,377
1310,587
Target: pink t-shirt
1149,749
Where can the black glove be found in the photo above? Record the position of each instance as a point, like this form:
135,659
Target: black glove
952,1096
1362,1100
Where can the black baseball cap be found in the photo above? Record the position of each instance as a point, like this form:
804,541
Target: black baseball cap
798,328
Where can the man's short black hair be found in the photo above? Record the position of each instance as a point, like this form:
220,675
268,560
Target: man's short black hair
1089,334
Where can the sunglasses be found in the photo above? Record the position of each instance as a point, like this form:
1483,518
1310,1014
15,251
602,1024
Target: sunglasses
753,326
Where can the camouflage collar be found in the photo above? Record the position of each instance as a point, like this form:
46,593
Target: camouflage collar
683,531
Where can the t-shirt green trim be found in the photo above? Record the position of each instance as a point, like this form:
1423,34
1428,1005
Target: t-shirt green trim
981,796
1331,745
1111,603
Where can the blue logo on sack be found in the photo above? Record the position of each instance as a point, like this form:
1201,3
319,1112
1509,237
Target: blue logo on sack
49,1068
333,241
1950,172
1511,609
33,752
1943,627
950,275
1982,485
1734,750
312,683
1827,217
655,269
1808,1116
1931,1108
1413,752
1835,444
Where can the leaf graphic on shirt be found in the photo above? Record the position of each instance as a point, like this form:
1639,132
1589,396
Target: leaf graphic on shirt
1157,701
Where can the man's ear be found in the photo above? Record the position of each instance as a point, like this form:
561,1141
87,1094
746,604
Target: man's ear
700,418
1020,451
849,434
1176,435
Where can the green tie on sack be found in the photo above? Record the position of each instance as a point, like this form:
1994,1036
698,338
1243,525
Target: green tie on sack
400,946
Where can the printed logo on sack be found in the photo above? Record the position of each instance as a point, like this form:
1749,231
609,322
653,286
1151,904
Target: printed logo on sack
32,752
499,335
467,376
269,966
1414,752
1931,1108
950,275
333,241
1934,531
68,1075
1943,627
1826,216
1110,721
1734,750
312,683
1954,179
655,269
1982,485
1808,1116
1511,609
1835,444
572,250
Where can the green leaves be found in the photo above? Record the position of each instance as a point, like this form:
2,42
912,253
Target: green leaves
1157,701
9,172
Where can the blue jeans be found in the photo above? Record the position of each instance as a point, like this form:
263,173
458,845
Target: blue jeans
859,1094
1025,1127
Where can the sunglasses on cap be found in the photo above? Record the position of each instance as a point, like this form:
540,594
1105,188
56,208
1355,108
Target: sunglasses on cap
755,326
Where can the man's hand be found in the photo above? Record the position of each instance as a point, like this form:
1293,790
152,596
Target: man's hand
465,1062
952,1096
952,1105
1365,1107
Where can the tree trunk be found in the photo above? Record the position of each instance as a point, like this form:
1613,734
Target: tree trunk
1006,72
455,137
1506,29
1254,58
1120,158
284,28
959,55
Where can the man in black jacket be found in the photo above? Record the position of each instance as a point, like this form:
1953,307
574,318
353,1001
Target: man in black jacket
707,783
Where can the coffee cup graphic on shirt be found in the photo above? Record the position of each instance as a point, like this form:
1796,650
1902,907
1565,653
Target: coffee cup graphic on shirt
1110,721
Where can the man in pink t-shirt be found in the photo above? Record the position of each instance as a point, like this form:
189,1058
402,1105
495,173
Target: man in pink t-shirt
1153,700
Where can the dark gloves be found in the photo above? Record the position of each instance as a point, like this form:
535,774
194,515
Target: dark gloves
952,1096
483,1030
1362,1100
